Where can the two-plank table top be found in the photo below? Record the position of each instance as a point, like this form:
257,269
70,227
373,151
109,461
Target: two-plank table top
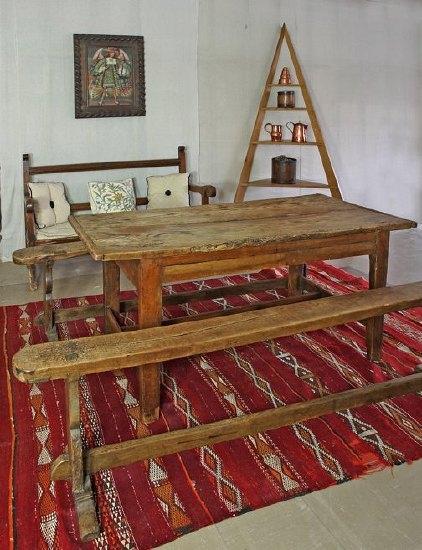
222,227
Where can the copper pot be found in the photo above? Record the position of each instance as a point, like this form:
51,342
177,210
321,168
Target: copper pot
298,132
283,169
285,76
286,99
275,131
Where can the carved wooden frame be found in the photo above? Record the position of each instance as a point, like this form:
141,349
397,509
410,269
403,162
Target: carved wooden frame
136,44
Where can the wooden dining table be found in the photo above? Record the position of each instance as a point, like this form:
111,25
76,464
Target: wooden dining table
181,244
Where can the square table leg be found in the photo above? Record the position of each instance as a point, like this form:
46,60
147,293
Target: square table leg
378,267
149,315
295,279
111,291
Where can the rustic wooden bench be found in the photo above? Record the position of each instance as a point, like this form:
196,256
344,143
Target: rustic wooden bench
43,253
69,360
46,255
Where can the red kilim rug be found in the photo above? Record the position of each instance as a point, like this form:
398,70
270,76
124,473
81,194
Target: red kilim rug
152,502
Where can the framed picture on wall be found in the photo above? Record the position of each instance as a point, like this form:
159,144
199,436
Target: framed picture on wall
109,75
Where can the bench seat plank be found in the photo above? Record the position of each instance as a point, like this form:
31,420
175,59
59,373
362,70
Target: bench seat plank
55,360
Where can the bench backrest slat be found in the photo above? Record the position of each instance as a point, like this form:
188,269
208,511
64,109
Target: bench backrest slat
95,166
113,351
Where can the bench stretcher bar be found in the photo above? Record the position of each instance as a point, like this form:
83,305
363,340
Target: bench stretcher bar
153,446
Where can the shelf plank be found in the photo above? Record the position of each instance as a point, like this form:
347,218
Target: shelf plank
284,109
302,184
284,86
284,142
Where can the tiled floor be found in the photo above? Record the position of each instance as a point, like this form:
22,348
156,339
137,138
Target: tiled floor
379,512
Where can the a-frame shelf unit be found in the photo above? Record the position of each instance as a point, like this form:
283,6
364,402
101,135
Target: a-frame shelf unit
254,142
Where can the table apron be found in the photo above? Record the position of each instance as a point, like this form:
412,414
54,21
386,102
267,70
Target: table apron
187,272
240,260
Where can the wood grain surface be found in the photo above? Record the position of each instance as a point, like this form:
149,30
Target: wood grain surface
54,360
219,227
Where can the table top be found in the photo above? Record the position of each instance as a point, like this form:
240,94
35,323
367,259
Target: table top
220,227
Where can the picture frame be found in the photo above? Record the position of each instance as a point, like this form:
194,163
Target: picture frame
109,75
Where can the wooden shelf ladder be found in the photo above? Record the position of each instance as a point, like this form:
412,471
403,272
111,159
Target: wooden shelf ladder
244,180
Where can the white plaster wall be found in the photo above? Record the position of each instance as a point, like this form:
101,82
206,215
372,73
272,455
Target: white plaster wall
36,91
362,60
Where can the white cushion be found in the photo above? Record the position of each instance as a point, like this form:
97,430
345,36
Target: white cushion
112,196
168,191
56,231
50,204
44,214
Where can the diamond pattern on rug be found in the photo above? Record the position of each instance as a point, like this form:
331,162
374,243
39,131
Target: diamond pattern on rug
152,502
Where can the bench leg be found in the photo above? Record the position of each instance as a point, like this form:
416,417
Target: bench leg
81,482
111,290
378,267
149,315
48,316
295,279
33,279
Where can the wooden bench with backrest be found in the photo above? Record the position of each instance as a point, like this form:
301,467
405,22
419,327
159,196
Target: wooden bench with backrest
69,360
42,252
45,250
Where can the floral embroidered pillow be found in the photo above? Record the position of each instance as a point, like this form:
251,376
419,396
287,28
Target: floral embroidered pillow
112,196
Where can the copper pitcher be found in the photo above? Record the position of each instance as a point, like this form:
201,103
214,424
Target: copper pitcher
275,131
285,77
298,132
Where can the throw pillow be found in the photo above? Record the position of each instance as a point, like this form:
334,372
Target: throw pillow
112,196
59,202
44,214
168,191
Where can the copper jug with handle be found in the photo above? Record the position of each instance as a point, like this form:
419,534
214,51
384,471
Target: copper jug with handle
298,132
275,131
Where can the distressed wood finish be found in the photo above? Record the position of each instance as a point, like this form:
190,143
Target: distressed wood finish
378,268
251,307
293,253
38,251
250,155
74,358
218,230
48,318
244,179
112,324
42,253
325,158
81,483
54,360
222,291
97,310
206,191
225,238
111,290
149,315
120,454
295,278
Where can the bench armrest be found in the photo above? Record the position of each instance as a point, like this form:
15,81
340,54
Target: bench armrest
49,252
206,191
